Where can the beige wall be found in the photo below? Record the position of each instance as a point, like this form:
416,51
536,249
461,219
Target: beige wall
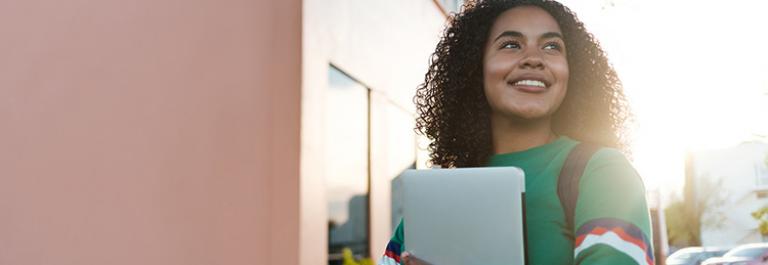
149,132
386,46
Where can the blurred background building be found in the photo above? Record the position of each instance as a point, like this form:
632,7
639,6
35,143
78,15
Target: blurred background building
731,184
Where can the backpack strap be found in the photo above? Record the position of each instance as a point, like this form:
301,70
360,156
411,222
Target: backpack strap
568,180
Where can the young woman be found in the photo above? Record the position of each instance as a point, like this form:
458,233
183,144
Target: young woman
520,83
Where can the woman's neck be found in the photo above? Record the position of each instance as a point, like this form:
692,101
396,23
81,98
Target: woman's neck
515,135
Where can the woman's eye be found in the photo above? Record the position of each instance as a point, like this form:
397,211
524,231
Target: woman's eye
553,46
510,45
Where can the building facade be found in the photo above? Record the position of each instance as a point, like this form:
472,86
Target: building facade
734,183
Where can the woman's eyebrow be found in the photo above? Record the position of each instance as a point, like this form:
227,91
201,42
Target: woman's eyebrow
550,35
509,34
512,33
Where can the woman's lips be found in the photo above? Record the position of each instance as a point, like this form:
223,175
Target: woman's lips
529,89
529,85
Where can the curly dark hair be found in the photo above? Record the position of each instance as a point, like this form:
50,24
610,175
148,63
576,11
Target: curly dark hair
452,108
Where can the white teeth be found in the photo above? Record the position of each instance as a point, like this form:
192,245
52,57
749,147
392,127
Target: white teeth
530,83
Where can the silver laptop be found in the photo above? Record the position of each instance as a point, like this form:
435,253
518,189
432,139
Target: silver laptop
464,216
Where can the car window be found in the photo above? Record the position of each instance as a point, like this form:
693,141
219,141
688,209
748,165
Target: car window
681,255
711,254
747,252
683,258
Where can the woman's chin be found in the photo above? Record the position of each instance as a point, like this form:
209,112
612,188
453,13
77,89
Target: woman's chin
526,116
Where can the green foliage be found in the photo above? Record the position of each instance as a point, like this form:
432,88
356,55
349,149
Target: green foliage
679,229
761,215
349,259
700,208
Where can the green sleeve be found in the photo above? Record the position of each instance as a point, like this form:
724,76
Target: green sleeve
398,237
612,222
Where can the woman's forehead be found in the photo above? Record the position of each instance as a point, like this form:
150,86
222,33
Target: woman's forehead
531,21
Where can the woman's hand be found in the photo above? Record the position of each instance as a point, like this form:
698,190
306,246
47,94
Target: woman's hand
408,259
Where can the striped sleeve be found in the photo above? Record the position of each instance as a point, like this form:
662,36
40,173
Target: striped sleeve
613,224
391,255
621,236
394,248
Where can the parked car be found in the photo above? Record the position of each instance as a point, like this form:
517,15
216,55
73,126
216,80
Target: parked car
695,255
749,254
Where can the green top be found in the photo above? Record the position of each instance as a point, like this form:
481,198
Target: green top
612,224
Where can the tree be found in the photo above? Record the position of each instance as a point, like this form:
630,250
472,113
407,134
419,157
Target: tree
700,207
349,259
679,229
761,215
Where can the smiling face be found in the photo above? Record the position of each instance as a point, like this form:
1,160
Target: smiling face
525,70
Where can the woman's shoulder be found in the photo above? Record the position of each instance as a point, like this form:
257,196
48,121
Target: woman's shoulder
608,157
600,158
610,165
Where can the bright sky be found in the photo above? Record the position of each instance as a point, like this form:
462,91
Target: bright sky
695,72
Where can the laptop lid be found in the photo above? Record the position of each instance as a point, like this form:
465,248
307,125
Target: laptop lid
464,216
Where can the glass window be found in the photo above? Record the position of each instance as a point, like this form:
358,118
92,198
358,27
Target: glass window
346,166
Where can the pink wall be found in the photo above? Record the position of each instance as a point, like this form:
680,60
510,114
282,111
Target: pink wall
149,131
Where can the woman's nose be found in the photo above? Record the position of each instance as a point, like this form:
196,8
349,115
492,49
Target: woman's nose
532,60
